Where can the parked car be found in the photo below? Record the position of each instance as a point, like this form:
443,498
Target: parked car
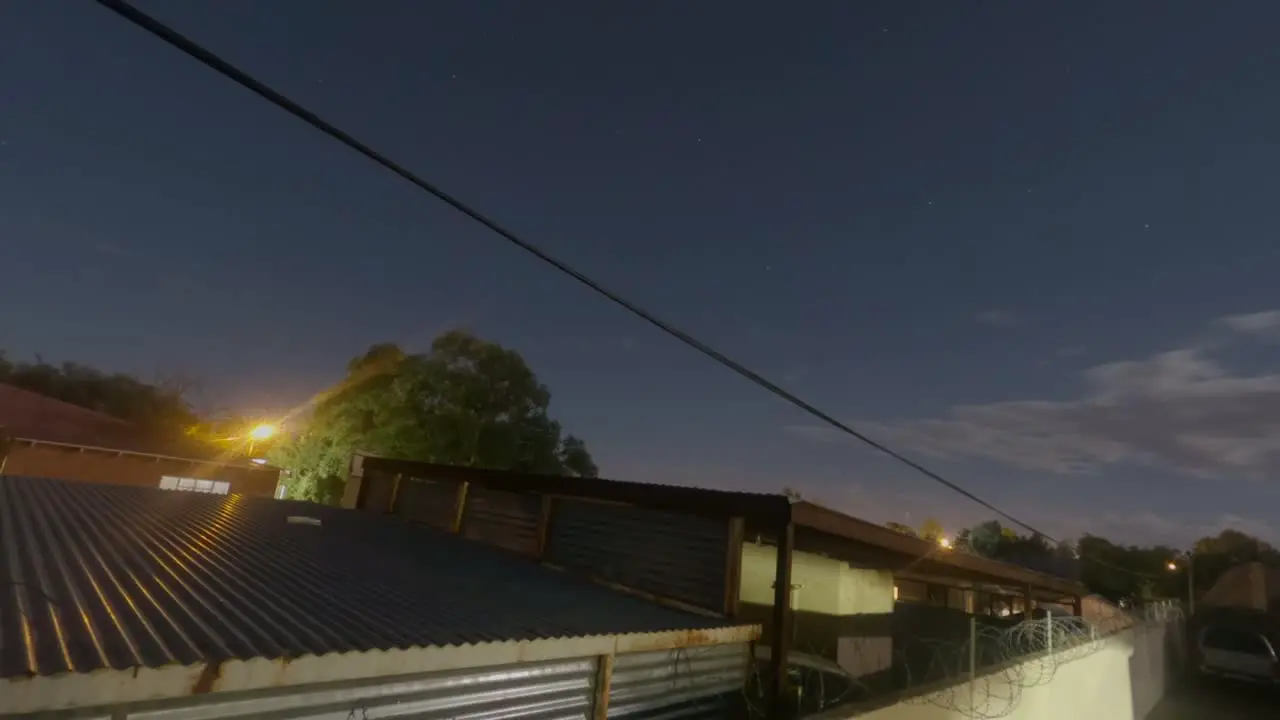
1239,654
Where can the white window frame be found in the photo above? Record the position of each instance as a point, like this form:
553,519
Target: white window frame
196,485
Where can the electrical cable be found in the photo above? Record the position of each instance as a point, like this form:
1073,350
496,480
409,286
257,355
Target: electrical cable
222,67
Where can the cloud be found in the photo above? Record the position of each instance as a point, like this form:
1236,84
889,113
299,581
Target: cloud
1177,410
1264,324
999,318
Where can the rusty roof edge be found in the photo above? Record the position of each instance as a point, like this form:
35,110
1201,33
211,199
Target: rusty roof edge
992,585
845,526
772,508
105,687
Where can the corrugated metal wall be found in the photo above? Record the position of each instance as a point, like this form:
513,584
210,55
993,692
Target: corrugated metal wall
535,691
682,557
687,683
508,520
434,502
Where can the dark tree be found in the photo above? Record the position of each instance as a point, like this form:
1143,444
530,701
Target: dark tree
465,402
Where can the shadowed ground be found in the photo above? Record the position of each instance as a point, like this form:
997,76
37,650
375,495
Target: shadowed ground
1199,699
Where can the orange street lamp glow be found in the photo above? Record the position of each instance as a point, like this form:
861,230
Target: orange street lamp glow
944,543
1172,566
262,432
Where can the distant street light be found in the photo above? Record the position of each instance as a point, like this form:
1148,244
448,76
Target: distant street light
944,543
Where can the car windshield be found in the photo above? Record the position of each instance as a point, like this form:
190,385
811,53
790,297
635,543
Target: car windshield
1235,641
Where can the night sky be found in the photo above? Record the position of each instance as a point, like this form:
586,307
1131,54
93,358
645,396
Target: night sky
1032,247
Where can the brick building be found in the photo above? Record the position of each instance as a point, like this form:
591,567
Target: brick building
47,438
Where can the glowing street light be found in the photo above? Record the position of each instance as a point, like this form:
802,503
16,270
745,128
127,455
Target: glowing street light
262,432
1173,566
944,543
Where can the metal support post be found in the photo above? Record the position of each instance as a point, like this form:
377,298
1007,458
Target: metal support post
1048,631
1191,585
604,679
780,642
973,661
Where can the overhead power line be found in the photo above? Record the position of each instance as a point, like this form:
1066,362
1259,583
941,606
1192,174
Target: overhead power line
221,66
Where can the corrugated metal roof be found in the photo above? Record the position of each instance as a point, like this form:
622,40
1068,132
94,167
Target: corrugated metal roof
97,576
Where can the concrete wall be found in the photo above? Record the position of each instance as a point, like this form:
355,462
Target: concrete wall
1123,679
64,463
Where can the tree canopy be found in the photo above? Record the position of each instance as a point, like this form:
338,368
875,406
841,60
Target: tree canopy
899,527
932,530
1118,571
466,402
992,540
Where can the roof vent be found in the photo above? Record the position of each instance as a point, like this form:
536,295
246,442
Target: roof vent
303,520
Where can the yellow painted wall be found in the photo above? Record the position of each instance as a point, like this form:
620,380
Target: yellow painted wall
825,585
